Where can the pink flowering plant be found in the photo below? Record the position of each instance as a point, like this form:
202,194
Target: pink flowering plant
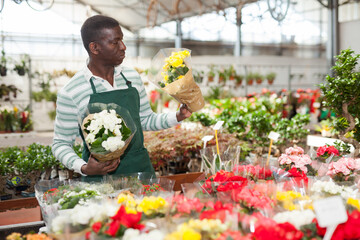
294,157
344,169
326,151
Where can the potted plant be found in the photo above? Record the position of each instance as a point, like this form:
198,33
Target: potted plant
22,68
198,76
250,79
258,78
270,77
3,68
222,76
239,79
231,73
342,95
211,73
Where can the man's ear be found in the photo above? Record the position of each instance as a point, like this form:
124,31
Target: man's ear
94,48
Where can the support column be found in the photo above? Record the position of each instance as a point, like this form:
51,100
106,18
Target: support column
238,47
333,41
178,39
137,44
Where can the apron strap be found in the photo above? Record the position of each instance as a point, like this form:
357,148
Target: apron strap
92,85
128,83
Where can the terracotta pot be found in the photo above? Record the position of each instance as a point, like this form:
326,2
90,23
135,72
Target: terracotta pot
232,78
238,83
271,81
250,82
210,79
259,80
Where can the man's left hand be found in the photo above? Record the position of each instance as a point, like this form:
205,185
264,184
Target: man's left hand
183,113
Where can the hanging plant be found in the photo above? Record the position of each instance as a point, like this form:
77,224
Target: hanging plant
3,60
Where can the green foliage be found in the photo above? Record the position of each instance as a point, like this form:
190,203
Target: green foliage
260,123
292,130
203,118
343,148
344,89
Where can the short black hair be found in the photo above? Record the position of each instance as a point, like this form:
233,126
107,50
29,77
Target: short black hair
92,27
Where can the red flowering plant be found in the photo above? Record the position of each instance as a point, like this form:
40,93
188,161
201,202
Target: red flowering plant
345,231
116,225
223,181
182,206
252,200
153,188
218,210
234,235
323,153
296,162
253,172
264,228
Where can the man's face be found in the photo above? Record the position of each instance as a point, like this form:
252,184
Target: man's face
111,46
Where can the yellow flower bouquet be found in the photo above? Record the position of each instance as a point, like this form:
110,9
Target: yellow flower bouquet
171,71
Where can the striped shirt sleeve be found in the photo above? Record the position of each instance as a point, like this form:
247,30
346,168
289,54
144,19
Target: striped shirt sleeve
65,131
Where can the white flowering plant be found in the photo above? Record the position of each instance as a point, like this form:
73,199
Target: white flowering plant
107,130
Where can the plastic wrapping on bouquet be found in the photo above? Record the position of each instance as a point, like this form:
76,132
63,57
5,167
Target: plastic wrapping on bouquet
124,114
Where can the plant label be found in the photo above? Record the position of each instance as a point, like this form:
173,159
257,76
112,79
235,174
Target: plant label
274,136
218,125
330,211
206,139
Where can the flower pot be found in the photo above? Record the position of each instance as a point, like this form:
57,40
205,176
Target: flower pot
210,79
3,71
270,81
250,82
21,72
231,78
221,79
259,80
238,83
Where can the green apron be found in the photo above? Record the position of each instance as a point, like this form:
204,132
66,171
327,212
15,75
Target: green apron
136,158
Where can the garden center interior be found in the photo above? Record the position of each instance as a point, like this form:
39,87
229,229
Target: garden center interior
276,137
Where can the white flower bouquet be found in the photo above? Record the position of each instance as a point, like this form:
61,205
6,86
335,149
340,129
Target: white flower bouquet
108,130
171,71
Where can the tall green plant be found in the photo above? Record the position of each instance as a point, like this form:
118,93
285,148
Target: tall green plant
342,95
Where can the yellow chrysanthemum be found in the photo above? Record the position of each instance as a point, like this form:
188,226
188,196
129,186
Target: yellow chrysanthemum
354,202
180,77
151,205
16,109
190,234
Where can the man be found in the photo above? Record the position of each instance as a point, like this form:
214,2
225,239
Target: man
103,80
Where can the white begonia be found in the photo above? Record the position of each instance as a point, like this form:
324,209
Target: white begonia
113,143
134,234
59,222
90,138
332,188
296,218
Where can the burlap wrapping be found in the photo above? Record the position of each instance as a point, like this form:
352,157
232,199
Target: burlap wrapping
186,91
109,156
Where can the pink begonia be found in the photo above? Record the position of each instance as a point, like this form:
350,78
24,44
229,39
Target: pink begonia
296,156
294,151
284,159
357,164
341,166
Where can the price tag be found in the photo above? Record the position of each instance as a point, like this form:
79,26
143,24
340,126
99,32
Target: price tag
218,125
330,211
274,136
207,138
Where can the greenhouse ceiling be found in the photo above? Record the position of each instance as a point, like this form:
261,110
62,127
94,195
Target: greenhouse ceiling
137,14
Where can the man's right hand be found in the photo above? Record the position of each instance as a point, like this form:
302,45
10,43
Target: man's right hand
94,167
